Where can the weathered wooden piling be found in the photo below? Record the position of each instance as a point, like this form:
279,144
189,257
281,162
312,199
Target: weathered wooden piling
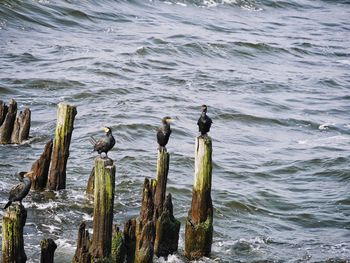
21,127
8,122
3,111
130,239
64,129
167,231
118,246
82,253
13,221
90,184
48,247
199,224
167,227
162,178
145,226
103,208
40,168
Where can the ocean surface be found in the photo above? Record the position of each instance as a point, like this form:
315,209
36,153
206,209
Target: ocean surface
275,75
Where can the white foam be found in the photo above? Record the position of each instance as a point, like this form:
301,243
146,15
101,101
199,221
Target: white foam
51,228
325,126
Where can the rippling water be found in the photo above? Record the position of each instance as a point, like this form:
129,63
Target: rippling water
276,77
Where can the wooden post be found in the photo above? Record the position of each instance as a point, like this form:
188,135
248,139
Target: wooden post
130,239
64,129
103,208
48,247
167,227
3,111
90,184
145,227
118,246
167,231
21,127
199,223
13,222
40,168
82,253
7,125
162,178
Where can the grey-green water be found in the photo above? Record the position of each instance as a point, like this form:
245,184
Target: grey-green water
275,75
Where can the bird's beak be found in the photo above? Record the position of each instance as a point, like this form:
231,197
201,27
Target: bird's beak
170,120
105,129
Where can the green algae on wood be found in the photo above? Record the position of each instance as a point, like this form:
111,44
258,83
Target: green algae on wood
64,129
104,186
13,221
199,224
118,246
48,247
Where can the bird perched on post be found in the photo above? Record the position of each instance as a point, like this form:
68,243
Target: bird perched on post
105,144
204,121
19,191
163,132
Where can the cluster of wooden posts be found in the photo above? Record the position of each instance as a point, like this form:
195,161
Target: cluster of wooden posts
154,232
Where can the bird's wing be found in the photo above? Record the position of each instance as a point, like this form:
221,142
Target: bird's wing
92,140
99,144
15,190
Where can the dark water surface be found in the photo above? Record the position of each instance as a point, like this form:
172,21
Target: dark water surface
276,77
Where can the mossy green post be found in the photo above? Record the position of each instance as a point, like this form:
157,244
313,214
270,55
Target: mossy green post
103,208
13,221
199,224
118,246
64,129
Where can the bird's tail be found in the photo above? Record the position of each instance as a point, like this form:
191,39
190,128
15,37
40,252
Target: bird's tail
92,140
8,204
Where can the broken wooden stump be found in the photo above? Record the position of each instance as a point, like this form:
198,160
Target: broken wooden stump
90,185
13,221
130,239
199,223
82,253
103,208
64,129
3,111
48,247
12,129
8,122
21,127
167,231
145,227
118,246
167,227
40,168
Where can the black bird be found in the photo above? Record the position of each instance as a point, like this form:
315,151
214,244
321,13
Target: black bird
163,132
103,145
204,122
19,191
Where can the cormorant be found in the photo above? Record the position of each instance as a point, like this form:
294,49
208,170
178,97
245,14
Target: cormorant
163,132
19,191
204,122
103,145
